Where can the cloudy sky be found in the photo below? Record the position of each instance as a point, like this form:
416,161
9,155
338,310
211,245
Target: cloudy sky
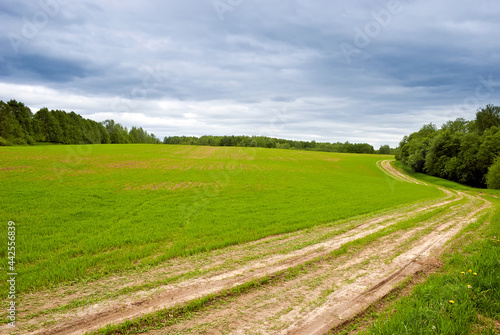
364,71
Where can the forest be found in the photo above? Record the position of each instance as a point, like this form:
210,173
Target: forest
19,126
462,151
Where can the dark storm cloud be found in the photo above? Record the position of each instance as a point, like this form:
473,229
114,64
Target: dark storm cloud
363,71
45,68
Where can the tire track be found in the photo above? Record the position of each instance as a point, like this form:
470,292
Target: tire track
350,301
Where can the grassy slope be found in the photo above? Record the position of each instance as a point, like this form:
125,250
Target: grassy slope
88,211
455,301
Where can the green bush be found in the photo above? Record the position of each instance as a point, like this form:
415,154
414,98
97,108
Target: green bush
3,142
493,176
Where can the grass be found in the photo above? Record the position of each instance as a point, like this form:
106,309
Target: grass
442,182
85,212
464,296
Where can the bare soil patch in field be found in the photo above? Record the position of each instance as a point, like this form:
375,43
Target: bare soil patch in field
128,165
9,168
185,185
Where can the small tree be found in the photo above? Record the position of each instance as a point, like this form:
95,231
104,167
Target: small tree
493,176
487,117
385,150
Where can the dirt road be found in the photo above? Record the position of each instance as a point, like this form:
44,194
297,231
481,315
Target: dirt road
338,269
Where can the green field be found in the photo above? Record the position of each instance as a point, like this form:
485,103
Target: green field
84,212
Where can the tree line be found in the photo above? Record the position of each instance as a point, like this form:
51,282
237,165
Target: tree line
19,126
463,151
270,142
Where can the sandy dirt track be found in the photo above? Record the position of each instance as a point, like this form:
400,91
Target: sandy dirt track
330,289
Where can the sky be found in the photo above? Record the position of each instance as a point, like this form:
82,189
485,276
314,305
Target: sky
330,71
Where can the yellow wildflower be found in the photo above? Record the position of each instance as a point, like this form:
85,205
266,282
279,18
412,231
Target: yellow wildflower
451,302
